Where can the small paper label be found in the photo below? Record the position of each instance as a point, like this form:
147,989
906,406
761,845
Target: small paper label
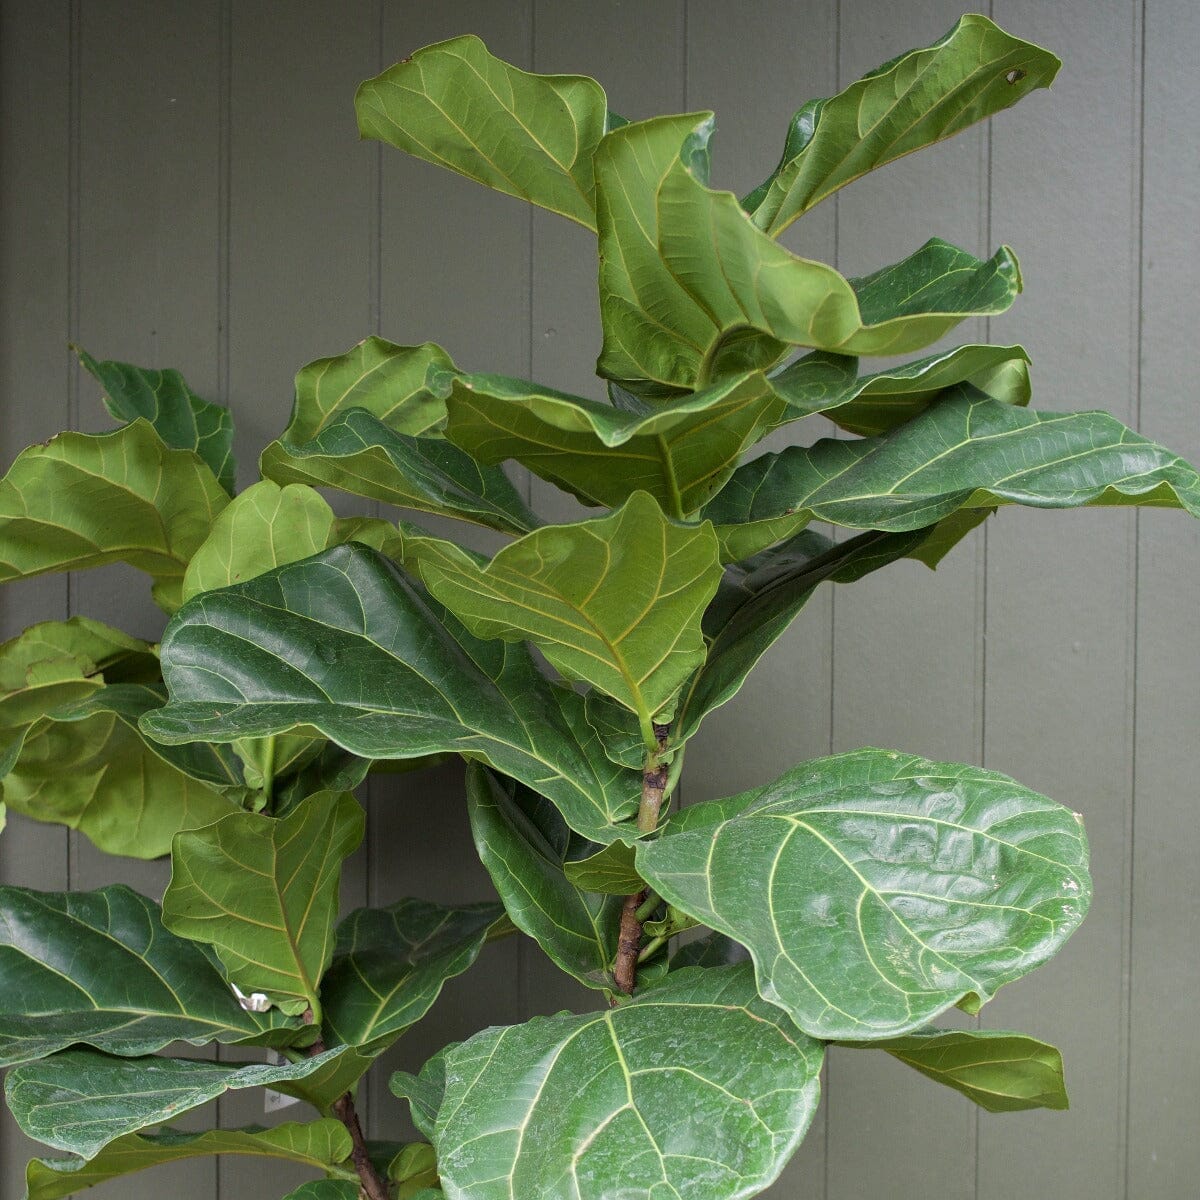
274,1101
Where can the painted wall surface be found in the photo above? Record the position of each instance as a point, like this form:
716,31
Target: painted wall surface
182,186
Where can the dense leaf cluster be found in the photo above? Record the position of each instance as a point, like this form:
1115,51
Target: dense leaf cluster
854,900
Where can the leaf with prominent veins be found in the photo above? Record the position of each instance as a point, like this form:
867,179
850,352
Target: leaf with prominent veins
456,105
875,889
263,892
99,967
697,1088
916,99
346,644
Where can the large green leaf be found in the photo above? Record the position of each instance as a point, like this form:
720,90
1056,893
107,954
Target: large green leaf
357,453
347,644
875,889
389,966
691,290
697,1088
614,601
182,419
89,768
263,892
966,451
83,500
424,1091
680,453
98,967
326,1189
912,101
57,662
81,1100
317,1144
1001,1072
404,386
456,105
522,841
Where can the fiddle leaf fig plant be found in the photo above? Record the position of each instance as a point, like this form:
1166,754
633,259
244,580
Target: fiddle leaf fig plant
854,900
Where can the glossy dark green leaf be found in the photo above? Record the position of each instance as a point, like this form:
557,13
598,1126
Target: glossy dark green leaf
82,500
522,841
318,1144
681,453
712,950
964,452
403,386
180,417
696,1088
356,452
389,966
456,105
875,889
1001,1072
615,601
911,102
98,967
691,291
347,644
81,1100
610,871
263,892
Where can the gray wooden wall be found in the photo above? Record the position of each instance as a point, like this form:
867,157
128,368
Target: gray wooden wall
182,186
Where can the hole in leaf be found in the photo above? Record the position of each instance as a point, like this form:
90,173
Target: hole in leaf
1015,75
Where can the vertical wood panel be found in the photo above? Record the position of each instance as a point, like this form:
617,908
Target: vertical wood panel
1060,606
1164,1152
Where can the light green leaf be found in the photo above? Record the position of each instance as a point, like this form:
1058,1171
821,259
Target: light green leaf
264,527
531,136
1001,1072
964,452
318,1144
424,1092
98,967
180,417
681,453
81,1100
875,889
697,1088
57,662
89,768
913,101
414,1170
82,500
691,291
403,386
346,644
389,966
615,601
610,871
522,841
263,892
357,453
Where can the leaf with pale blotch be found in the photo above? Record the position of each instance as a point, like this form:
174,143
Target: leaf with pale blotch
691,291
1001,1072
522,841
403,386
913,101
610,871
967,451
389,966
875,889
317,1144
98,967
456,105
82,500
681,453
263,892
58,662
81,1100
357,453
346,644
615,601
181,418
264,527
696,1088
